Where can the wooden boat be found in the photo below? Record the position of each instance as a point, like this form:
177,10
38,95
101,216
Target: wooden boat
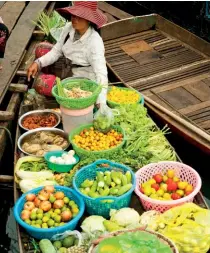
23,239
169,65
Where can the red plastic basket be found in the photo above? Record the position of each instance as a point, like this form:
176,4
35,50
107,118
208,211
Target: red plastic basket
183,171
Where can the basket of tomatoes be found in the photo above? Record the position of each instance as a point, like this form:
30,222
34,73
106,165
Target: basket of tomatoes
86,139
163,185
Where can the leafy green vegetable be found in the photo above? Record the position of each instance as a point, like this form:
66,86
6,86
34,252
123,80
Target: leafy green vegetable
34,166
46,22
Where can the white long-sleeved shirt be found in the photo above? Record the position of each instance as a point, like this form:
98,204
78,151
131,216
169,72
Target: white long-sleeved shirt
86,51
1,21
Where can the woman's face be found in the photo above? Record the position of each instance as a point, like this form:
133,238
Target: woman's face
79,23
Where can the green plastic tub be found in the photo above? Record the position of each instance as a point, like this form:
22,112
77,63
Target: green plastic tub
82,152
60,168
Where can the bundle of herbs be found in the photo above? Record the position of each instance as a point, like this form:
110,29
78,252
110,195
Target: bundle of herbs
47,22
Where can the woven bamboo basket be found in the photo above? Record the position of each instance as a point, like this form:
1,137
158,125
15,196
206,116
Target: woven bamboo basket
162,238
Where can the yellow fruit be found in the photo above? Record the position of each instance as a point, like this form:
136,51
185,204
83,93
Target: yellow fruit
147,190
176,179
160,192
182,185
151,181
163,187
180,192
153,191
165,178
170,173
189,187
167,196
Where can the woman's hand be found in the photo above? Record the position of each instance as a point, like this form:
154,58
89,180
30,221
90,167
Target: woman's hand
32,70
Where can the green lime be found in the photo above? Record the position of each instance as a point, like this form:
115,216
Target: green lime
39,216
44,225
57,244
39,222
40,211
57,211
50,223
66,200
45,219
33,216
68,241
57,218
62,250
28,222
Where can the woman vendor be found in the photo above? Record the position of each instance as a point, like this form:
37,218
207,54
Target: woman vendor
80,47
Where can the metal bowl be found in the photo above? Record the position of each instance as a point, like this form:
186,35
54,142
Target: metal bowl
24,136
39,112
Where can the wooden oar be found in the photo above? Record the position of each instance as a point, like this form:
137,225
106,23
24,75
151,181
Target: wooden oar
180,120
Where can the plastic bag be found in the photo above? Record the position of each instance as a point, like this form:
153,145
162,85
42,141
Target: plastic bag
188,226
75,233
104,118
129,242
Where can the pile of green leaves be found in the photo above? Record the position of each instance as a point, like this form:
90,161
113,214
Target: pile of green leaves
34,166
46,22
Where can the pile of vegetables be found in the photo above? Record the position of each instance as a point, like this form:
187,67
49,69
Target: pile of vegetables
66,158
47,22
32,172
93,140
123,96
166,187
75,92
187,225
145,142
107,183
48,208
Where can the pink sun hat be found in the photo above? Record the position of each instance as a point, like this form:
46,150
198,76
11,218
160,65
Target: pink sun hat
87,10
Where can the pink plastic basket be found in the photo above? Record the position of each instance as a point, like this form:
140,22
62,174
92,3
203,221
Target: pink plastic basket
183,171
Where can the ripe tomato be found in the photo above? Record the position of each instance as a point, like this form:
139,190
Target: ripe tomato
172,187
169,181
188,193
175,196
158,178
155,186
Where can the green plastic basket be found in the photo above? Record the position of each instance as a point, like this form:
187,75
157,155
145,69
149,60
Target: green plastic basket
60,168
82,152
114,104
78,103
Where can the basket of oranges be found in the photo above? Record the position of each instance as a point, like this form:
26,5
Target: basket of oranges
86,139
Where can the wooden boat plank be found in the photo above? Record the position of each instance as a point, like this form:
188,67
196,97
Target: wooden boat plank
29,56
2,4
199,89
205,124
198,112
182,35
127,27
193,108
179,98
21,35
201,118
155,98
115,12
180,83
10,13
110,17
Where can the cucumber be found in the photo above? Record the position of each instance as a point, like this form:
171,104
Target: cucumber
46,246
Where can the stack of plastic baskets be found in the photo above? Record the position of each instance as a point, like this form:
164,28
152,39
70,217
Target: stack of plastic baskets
102,205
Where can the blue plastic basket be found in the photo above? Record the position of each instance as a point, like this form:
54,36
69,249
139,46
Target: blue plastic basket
102,205
41,233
